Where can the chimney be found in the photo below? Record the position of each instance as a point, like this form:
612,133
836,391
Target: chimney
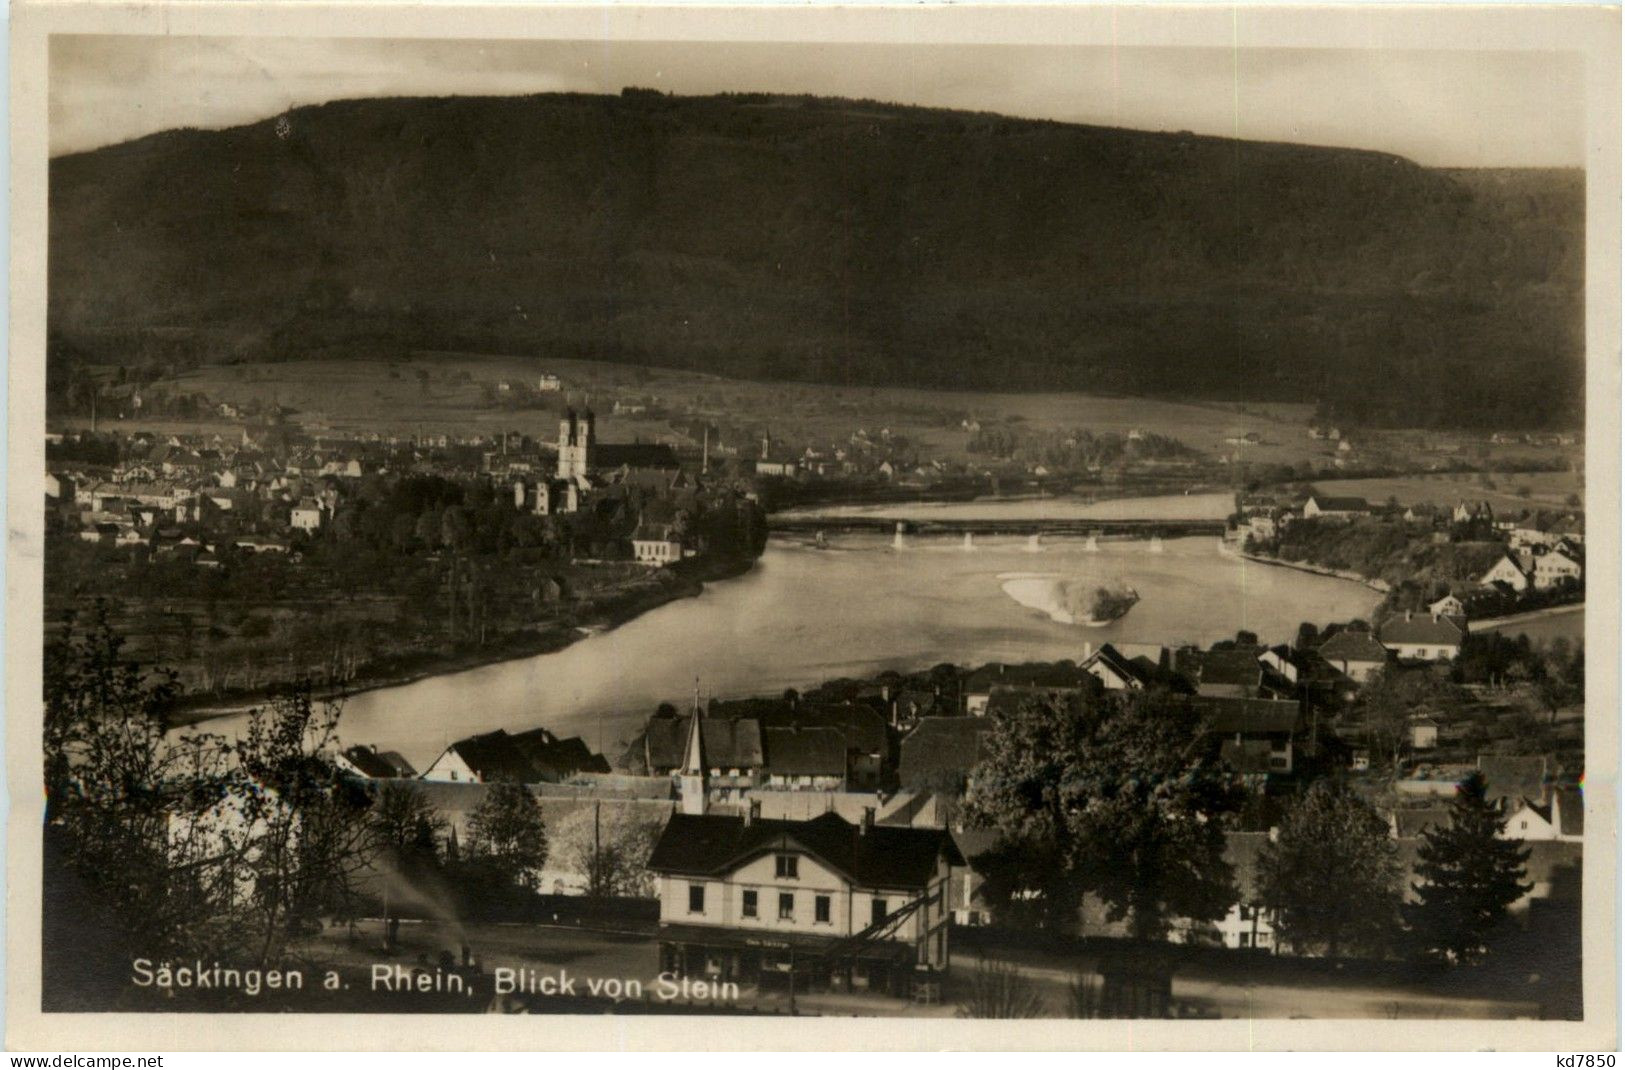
1275,834
753,811
868,821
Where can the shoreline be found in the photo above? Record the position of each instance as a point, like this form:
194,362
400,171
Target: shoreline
691,583
1380,586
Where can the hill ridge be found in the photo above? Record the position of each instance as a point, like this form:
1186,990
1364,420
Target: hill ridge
809,238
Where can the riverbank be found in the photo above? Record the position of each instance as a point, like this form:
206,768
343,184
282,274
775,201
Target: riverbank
1380,586
688,580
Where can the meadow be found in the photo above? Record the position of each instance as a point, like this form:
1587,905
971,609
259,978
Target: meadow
1503,490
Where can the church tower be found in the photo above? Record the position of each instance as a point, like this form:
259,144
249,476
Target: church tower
691,787
575,445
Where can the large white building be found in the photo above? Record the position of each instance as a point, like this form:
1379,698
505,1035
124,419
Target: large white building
750,900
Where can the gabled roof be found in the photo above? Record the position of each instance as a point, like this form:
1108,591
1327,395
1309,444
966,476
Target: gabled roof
883,856
379,765
727,743
1439,631
1570,811
632,455
1409,824
1247,716
1238,667
1109,657
1514,776
1327,503
860,726
804,751
942,744
531,757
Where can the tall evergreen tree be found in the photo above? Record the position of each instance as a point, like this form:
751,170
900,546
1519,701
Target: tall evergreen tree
1469,877
1331,879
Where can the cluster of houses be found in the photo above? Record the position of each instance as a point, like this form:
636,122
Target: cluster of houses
1543,550
817,845
197,496
1547,818
879,456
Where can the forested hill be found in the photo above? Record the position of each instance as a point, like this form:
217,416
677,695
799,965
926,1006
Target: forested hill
831,240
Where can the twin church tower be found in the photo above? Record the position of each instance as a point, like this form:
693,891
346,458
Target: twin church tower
575,445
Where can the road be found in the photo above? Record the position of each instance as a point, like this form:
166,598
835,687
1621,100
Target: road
557,951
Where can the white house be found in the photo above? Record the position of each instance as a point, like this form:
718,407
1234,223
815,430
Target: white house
1354,654
652,546
306,516
1247,924
1554,567
750,900
1449,606
1320,505
1505,571
1419,638
1561,819
1114,670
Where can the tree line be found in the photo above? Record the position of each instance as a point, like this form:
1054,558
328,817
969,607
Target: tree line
175,844
1122,799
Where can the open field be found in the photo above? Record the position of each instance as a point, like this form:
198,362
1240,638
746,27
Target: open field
451,392
1541,626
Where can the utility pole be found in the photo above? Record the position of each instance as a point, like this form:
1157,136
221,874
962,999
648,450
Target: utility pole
597,858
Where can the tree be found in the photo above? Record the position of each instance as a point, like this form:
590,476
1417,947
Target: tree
1107,795
404,821
1392,696
1331,879
406,829
507,833
298,831
1470,876
1559,677
114,786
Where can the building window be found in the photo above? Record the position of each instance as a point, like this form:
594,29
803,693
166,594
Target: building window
696,899
1246,939
1246,912
821,909
748,907
784,867
787,905
877,911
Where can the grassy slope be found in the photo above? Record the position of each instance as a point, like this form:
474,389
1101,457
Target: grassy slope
814,240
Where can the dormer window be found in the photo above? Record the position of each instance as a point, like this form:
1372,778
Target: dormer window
785,867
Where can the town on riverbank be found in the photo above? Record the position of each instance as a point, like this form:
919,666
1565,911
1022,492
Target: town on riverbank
899,842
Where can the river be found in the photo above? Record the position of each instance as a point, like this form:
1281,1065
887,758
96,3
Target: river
805,614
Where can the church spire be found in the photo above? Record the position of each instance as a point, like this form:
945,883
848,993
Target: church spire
691,786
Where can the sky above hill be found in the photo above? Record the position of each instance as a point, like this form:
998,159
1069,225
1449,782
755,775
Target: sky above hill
1441,108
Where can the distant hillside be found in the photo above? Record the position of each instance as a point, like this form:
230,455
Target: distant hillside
790,238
